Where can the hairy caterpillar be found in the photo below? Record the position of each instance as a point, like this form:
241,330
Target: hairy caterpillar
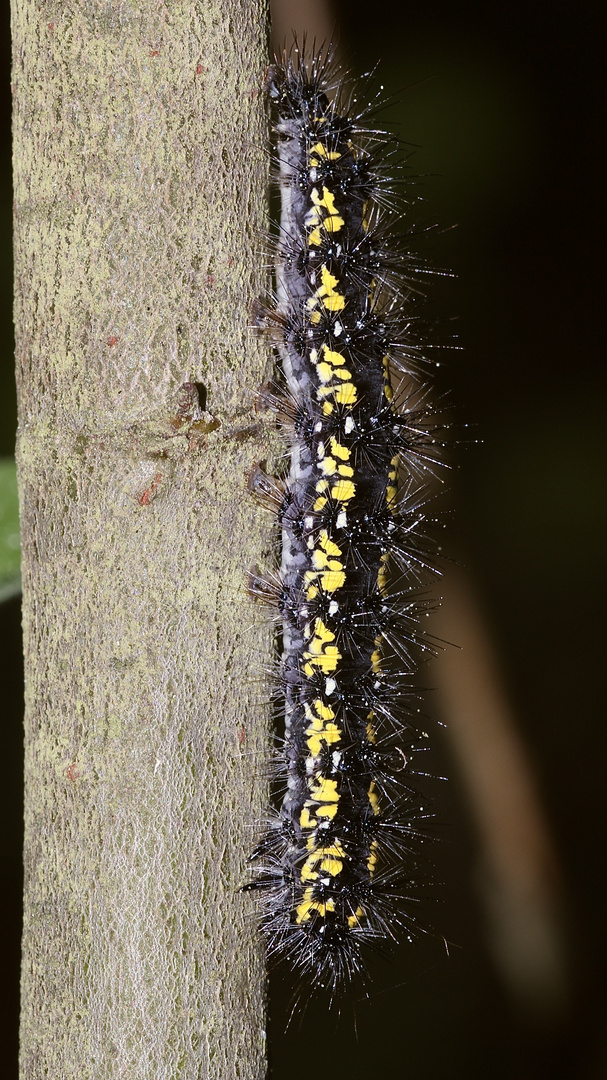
338,862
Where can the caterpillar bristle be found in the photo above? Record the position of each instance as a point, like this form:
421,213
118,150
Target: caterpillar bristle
264,589
339,865
267,490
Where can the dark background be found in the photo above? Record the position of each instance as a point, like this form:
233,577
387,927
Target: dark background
507,107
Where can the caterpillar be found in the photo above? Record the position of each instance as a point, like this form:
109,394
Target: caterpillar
339,859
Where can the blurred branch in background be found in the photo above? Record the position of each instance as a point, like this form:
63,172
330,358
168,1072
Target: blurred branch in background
518,879
311,19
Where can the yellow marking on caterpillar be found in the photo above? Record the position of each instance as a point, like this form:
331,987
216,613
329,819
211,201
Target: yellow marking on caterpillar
333,224
321,638
346,395
324,556
331,860
338,450
308,905
325,372
332,580
388,391
343,490
318,711
371,732
331,221
373,797
323,790
320,561
320,652
327,293
320,503
332,866
324,712
328,466
372,860
354,919
308,873
327,544
333,357
321,151
306,820
329,580
335,302
326,201
318,734
324,391
366,212
329,811
322,485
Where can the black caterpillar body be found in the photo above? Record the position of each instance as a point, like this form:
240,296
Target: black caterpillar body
354,561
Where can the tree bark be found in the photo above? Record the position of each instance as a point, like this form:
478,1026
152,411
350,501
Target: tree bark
139,204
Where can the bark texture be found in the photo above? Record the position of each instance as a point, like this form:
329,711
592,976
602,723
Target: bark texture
139,194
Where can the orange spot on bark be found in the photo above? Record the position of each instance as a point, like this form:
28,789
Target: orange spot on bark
149,493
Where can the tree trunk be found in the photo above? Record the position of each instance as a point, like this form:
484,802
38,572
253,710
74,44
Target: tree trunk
139,202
